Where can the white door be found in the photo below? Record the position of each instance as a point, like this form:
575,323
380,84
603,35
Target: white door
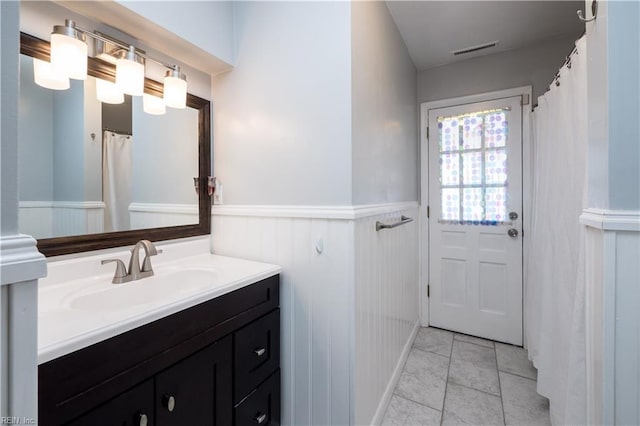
475,221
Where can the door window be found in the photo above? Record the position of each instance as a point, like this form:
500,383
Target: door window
473,167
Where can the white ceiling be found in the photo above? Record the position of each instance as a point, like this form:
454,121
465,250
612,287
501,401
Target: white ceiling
432,29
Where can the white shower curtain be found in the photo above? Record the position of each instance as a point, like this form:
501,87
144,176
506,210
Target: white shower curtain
116,180
555,296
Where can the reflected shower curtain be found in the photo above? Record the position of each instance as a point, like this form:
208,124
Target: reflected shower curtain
116,180
555,277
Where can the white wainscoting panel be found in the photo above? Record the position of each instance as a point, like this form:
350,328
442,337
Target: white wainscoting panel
77,217
386,308
316,299
330,339
46,219
155,215
613,318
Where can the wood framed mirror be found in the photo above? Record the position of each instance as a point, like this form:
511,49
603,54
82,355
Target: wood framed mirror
58,245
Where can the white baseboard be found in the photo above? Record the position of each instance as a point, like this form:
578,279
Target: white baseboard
388,393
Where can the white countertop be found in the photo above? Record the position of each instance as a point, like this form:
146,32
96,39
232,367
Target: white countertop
78,306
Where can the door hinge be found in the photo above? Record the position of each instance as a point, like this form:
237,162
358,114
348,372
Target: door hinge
525,99
427,132
428,290
428,212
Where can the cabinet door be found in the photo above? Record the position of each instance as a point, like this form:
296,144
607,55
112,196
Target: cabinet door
197,390
131,408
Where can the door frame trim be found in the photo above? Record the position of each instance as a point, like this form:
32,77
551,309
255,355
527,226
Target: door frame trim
424,185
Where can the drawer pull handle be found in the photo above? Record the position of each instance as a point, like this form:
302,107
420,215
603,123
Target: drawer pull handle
169,402
142,419
261,418
259,351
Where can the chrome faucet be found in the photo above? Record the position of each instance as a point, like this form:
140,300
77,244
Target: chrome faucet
135,273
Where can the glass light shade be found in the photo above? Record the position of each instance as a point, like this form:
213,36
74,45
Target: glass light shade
130,76
108,92
175,91
69,56
45,76
153,105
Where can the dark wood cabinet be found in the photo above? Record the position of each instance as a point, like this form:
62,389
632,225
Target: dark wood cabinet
216,363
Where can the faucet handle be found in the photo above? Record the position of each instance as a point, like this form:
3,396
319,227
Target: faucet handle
121,270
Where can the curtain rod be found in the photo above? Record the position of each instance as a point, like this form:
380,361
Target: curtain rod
121,132
567,62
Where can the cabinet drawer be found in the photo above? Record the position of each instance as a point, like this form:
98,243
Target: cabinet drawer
130,408
262,407
256,353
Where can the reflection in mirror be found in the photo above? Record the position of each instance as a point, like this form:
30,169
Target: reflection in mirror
86,167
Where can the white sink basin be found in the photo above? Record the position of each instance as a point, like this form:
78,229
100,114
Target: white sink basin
167,285
78,306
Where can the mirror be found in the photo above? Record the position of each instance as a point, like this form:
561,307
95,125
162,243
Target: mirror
96,175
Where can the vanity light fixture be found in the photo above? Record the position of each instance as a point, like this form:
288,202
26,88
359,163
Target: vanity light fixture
130,72
153,105
69,58
108,92
69,50
45,76
175,88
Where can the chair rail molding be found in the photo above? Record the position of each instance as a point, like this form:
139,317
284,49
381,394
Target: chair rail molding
339,212
20,260
611,220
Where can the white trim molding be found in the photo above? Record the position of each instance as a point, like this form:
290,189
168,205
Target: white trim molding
20,260
164,208
611,220
313,212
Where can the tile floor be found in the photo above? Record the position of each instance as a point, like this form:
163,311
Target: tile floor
454,379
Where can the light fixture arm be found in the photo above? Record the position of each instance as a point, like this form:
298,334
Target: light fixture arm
121,44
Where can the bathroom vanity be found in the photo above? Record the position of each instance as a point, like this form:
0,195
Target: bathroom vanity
207,356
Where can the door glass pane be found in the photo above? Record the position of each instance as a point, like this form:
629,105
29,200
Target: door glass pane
473,167
449,169
472,204
495,201
495,131
496,167
449,134
472,134
450,203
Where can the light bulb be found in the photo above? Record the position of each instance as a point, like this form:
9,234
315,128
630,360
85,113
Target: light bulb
130,73
69,51
153,105
175,89
44,76
108,92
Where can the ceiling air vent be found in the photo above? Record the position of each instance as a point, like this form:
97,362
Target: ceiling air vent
475,48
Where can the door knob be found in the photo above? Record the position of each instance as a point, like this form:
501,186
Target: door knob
260,418
169,402
259,351
142,419
512,232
